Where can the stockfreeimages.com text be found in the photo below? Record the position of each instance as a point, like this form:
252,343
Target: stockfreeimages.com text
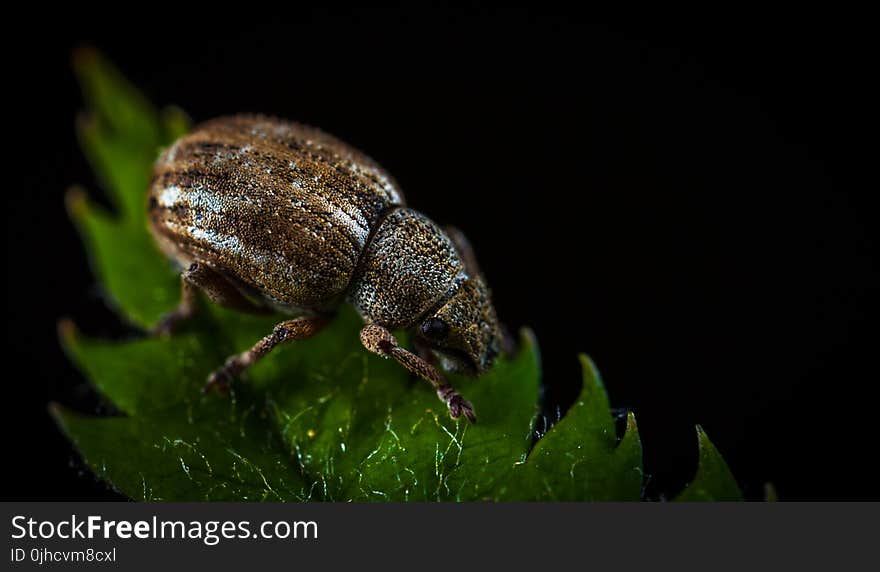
209,532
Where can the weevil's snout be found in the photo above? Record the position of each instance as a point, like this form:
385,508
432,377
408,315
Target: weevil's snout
464,332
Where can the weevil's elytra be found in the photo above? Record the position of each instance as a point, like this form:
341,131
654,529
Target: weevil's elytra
263,214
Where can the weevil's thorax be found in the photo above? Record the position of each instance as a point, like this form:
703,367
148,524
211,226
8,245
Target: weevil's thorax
410,272
408,266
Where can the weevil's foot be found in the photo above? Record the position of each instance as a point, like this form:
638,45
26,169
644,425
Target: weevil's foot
457,404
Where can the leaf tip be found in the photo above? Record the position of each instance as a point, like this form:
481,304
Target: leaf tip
631,426
525,349
66,330
56,412
590,372
176,122
76,202
713,480
705,448
86,125
703,442
53,408
527,337
630,437
84,57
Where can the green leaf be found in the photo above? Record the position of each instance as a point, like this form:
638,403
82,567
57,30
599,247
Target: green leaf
122,133
320,419
580,458
713,481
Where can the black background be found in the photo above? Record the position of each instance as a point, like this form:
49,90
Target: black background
684,197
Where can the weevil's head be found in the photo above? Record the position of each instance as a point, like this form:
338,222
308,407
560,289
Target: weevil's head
463,332
412,276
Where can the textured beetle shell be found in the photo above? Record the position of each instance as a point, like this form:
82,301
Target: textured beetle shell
408,267
282,209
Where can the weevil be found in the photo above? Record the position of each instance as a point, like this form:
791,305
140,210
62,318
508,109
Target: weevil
265,215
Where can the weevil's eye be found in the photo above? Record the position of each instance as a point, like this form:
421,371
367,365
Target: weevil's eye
435,329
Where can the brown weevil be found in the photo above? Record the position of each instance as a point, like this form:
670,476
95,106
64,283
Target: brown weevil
267,215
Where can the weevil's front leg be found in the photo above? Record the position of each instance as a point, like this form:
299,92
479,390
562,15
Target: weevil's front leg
382,342
287,331
202,277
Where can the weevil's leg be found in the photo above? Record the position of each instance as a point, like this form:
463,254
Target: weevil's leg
382,342
220,290
185,310
423,350
465,250
287,331
215,286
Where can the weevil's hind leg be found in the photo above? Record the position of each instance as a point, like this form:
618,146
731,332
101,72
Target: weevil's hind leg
287,331
185,309
382,342
216,287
